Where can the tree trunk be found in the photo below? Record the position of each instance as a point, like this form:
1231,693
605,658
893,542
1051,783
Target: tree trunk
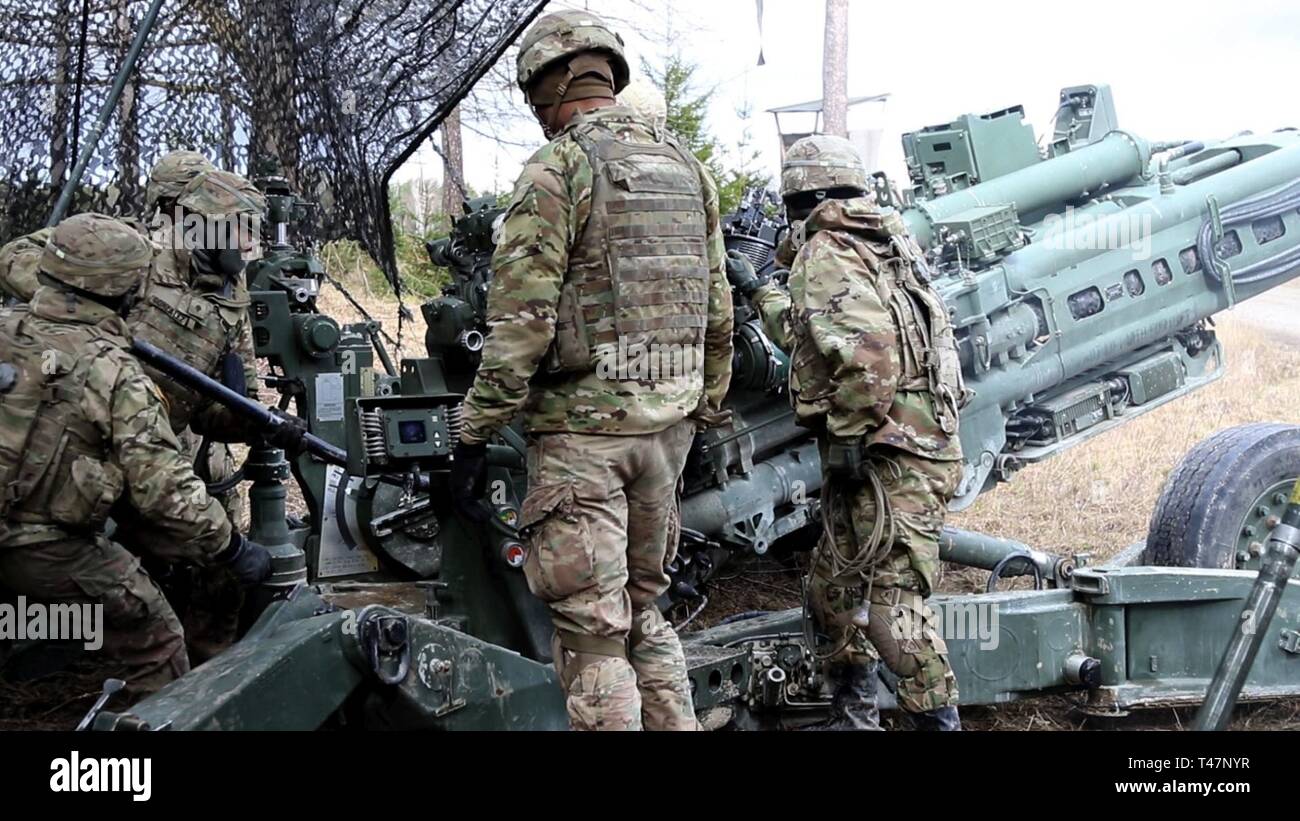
453,162
835,69
128,146
265,53
60,104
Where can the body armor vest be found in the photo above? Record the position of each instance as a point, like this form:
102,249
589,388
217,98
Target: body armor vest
639,273
927,355
928,358
189,326
55,464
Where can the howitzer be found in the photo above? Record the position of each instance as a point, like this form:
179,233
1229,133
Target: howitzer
1059,341
1079,283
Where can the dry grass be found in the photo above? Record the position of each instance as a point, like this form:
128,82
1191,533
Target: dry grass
354,271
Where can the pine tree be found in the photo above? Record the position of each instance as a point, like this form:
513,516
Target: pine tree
688,110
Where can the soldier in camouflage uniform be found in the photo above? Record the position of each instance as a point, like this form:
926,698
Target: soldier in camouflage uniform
194,306
21,258
167,182
875,372
82,430
610,327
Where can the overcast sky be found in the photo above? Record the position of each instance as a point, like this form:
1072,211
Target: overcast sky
1186,70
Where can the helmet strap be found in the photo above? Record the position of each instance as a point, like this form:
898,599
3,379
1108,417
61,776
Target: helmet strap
586,76
121,305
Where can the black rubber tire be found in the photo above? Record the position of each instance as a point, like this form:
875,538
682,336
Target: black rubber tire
1197,519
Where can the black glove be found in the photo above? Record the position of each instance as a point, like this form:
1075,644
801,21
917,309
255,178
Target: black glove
469,481
740,273
846,458
288,436
247,561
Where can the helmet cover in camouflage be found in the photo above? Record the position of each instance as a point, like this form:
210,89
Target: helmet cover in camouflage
96,254
646,101
172,173
822,162
221,194
564,34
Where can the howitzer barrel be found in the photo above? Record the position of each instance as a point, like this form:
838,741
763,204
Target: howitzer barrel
1073,262
1238,181
1114,160
773,483
251,410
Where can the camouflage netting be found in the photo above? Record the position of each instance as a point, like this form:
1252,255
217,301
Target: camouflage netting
341,91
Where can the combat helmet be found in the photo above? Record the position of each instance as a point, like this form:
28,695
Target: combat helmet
646,101
821,163
97,255
563,34
172,173
221,194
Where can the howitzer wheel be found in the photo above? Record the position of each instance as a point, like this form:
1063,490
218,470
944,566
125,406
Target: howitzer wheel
1221,501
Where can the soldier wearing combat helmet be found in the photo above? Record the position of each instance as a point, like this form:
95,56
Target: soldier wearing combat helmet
646,101
168,179
20,259
876,375
82,430
194,306
594,269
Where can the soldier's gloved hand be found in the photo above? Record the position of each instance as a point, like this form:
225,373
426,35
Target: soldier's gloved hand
288,436
469,481
247,561
740,273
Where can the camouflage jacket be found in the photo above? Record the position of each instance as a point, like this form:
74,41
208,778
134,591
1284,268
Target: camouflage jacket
82,429
198,326
193,324
19,262
546,219
853,328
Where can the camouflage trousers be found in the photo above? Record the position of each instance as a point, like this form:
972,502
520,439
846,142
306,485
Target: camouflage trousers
209,598
216,598
601,518
141,632
900,631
